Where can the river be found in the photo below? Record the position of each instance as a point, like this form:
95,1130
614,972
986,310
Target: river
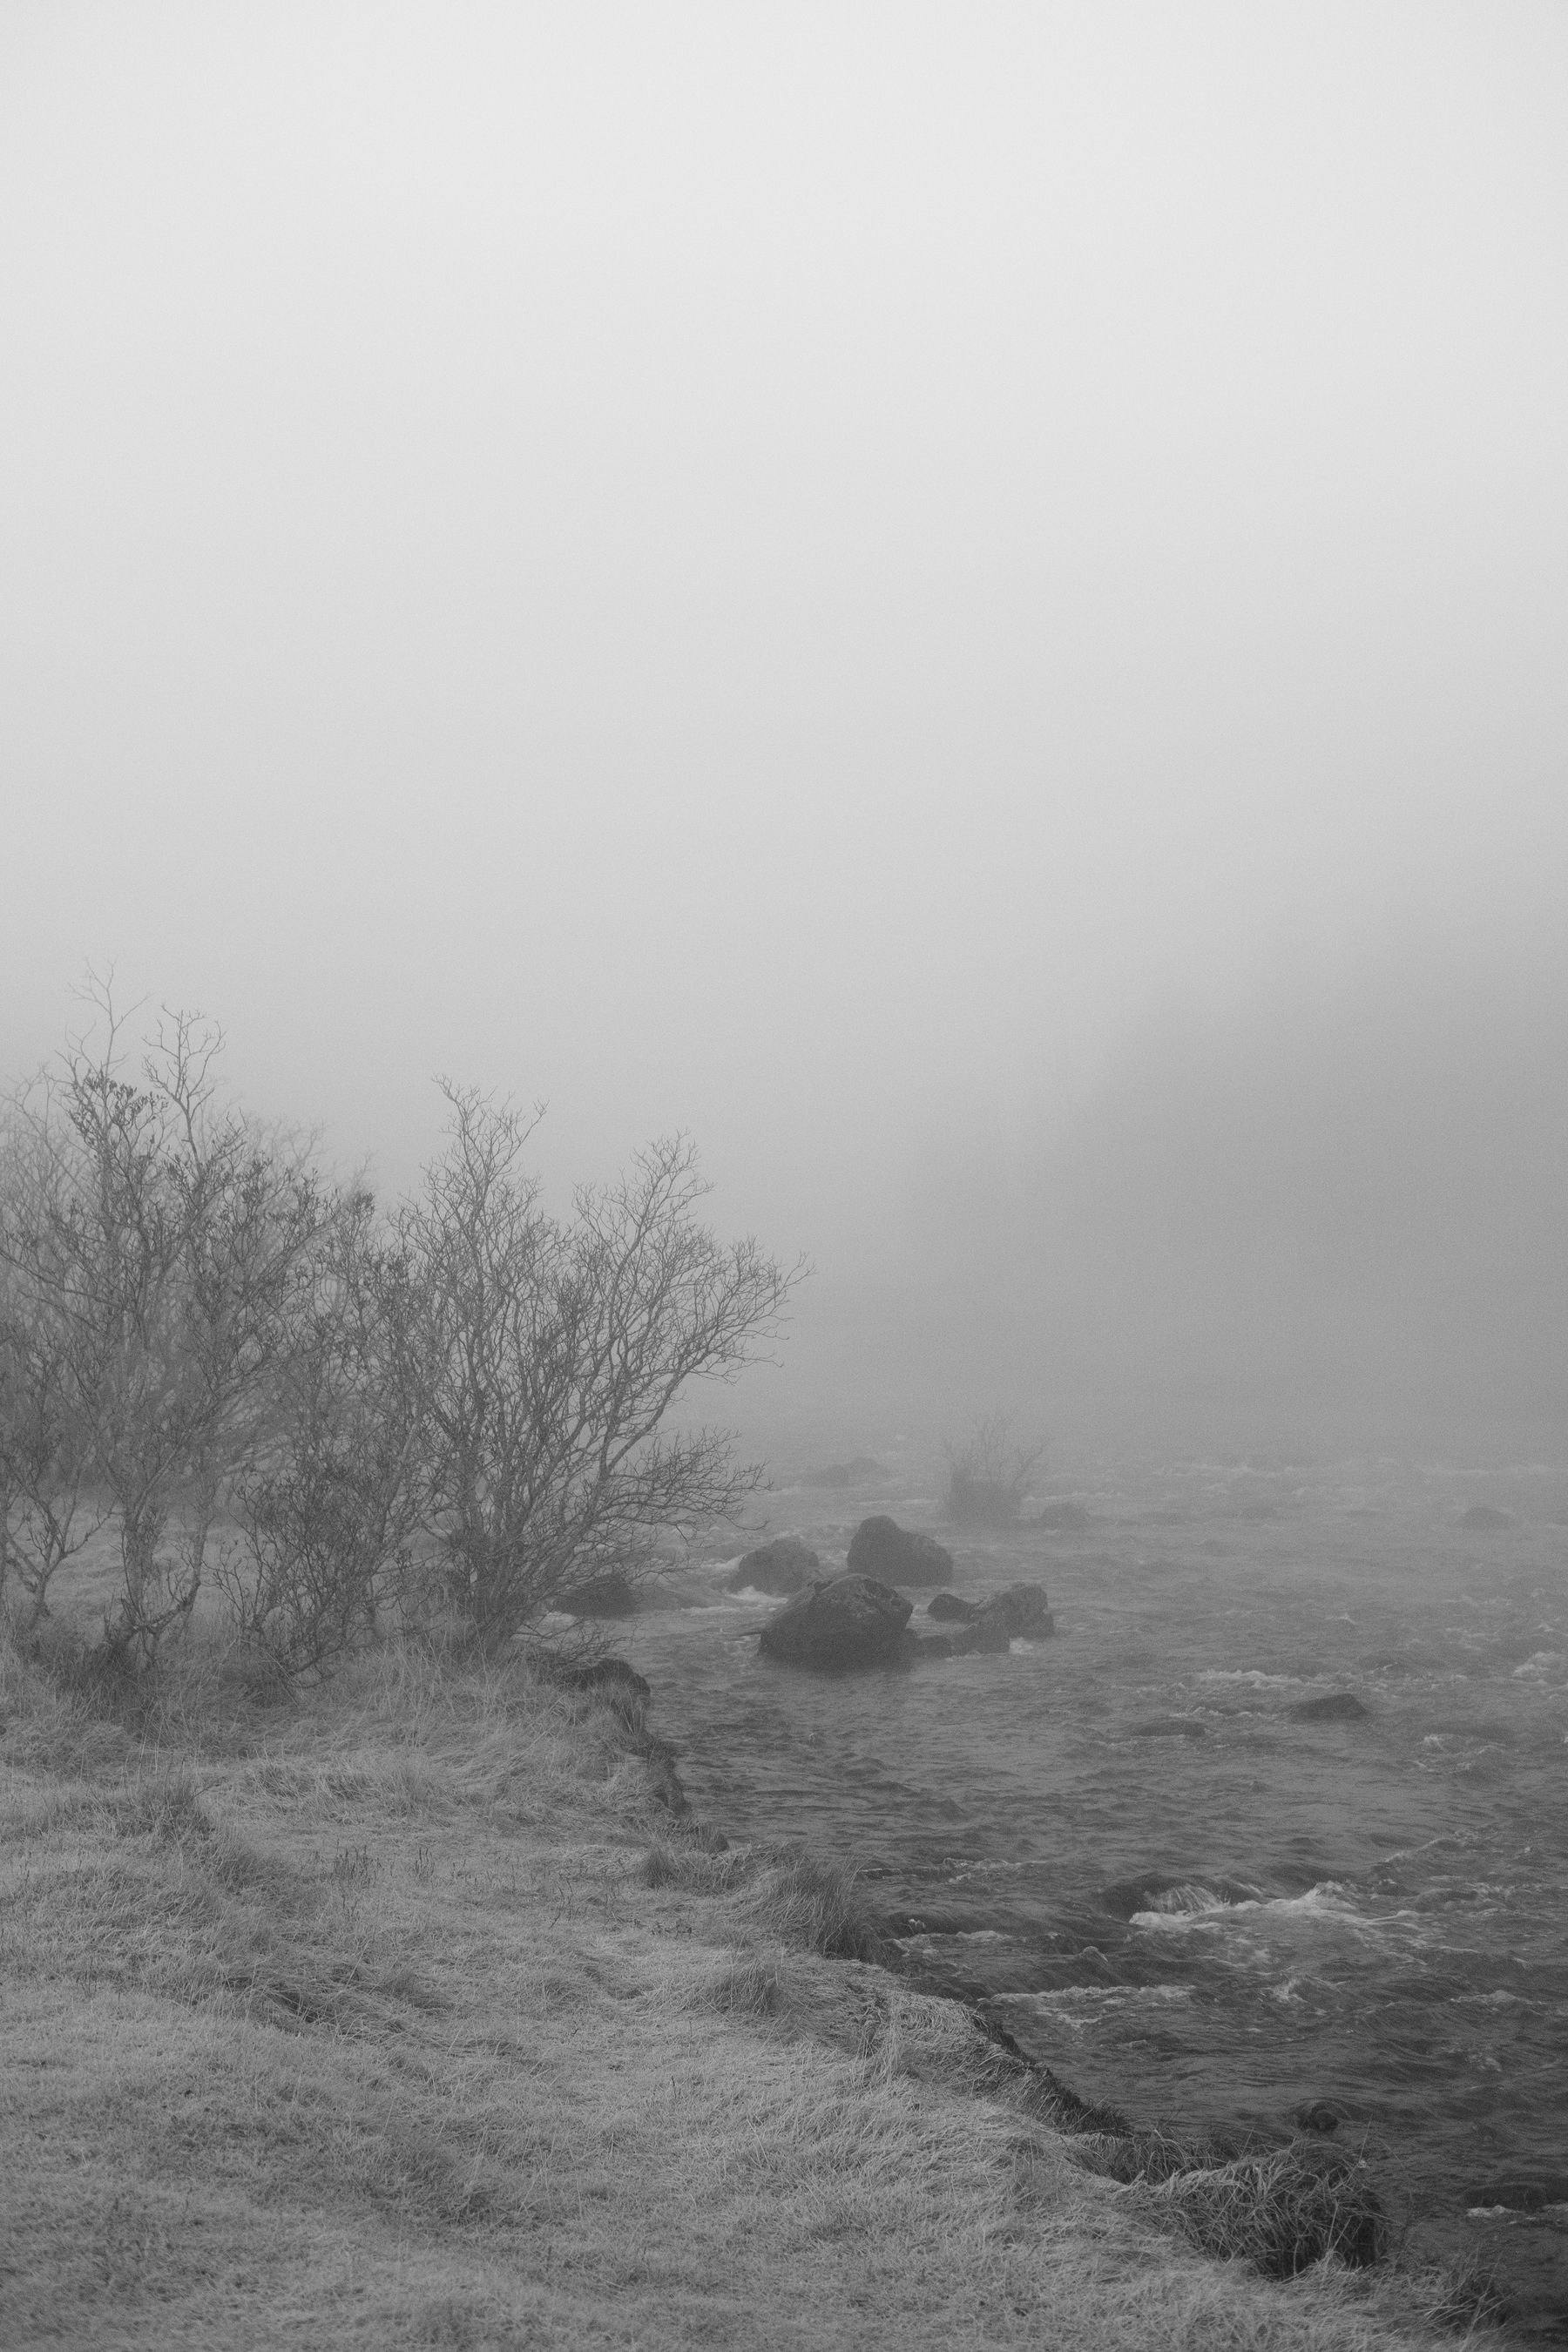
1184,1899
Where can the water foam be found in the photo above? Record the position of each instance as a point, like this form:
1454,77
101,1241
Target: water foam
1251,1674
1075,2008
1197,1905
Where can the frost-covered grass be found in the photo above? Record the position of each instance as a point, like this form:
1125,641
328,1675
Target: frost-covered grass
399,2013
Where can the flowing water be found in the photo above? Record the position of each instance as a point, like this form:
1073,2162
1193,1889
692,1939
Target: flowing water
1184,1899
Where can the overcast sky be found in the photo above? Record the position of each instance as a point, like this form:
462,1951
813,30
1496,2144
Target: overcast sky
809,574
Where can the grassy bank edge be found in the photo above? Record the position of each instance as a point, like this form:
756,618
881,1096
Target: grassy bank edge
413,2011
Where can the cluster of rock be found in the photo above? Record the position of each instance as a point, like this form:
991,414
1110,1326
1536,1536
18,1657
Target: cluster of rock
843,1623
1021,1613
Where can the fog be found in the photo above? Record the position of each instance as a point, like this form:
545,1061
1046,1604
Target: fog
1328,1223
966,602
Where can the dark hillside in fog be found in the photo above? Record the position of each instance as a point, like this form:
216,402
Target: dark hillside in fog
1338,1219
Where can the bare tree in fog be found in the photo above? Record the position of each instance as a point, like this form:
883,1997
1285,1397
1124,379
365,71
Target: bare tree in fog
989,1476
462,1406
152,1239
48,1390
327,1517
551,1352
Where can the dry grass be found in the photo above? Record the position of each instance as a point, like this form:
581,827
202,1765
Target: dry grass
404,2015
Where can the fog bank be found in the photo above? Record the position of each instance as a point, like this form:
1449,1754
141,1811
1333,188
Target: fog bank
918,594
1331,1223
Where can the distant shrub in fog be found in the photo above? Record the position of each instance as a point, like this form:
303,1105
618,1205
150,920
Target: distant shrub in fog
989,1476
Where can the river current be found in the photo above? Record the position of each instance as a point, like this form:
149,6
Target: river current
1187,1901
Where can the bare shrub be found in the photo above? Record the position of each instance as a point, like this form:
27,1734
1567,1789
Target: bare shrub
551,1353
47,1509
461,1409
326,1519
154,1240
988,1477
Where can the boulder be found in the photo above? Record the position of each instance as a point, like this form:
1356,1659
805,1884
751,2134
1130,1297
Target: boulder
894,1555
1485,1519
1338,1706
839,1624
609,1595
933,1645
989,1625
607,1674
610,1679
1023,1609
987,1632
1063,1519
1318,2115
993,1623
781,1567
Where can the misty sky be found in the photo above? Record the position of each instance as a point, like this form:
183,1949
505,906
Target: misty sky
968,602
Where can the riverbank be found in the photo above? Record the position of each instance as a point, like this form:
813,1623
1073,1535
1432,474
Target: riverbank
409,2012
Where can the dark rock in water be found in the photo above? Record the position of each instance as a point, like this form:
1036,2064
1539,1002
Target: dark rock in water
1162,1890
610,1595
1339,1707
1168,1726
883,1549
845,1474
1318,2115
1063,1518
839,1623
1023,1609
859,1621
781,1567
933,1645
1485,1519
